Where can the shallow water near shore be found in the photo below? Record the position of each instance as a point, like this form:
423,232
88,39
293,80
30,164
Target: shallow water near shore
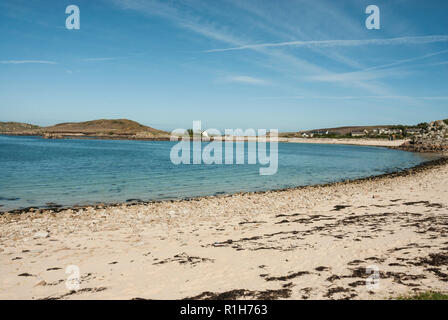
36,172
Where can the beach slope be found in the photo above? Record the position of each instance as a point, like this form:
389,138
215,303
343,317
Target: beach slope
306,243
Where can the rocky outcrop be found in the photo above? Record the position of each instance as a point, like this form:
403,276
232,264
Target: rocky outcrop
150,135
434,138
18,128
103,127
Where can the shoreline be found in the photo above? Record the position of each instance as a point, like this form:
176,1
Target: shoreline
311,242
442,160
372,142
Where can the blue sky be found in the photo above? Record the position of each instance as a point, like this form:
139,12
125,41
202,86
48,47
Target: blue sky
231,63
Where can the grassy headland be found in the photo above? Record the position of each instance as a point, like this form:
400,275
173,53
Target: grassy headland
106,129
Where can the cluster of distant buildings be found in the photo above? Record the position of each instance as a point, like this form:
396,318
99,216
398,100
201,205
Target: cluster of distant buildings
375,132
365,132
378,132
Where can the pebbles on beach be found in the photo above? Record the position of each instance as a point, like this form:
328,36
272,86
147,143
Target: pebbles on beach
41,235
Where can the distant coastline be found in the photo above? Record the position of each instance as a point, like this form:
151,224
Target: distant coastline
372,142
422,167
424,137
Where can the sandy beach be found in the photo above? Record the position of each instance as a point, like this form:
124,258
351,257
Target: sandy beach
307,243
345,141
357,142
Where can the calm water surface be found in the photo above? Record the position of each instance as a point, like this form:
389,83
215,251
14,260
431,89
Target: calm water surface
36,172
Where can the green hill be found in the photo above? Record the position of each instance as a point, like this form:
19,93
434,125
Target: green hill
103,126
119,128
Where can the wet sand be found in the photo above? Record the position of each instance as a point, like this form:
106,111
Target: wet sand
356,142
306,243
347,141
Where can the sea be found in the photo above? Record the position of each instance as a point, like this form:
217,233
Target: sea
38,173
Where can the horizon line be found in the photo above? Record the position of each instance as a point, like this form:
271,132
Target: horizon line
341,43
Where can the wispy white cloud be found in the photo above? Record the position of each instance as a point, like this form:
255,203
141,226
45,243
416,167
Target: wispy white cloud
102,59
376,72
27,61
435,98
185,19
404,61
245,80
181,15
341,43
386,97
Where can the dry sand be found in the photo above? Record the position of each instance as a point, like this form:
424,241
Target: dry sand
346,141
357,142
308,243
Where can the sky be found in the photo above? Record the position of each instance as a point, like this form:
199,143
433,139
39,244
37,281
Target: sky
275,64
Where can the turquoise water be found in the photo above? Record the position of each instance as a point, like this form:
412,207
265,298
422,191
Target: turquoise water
36,172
